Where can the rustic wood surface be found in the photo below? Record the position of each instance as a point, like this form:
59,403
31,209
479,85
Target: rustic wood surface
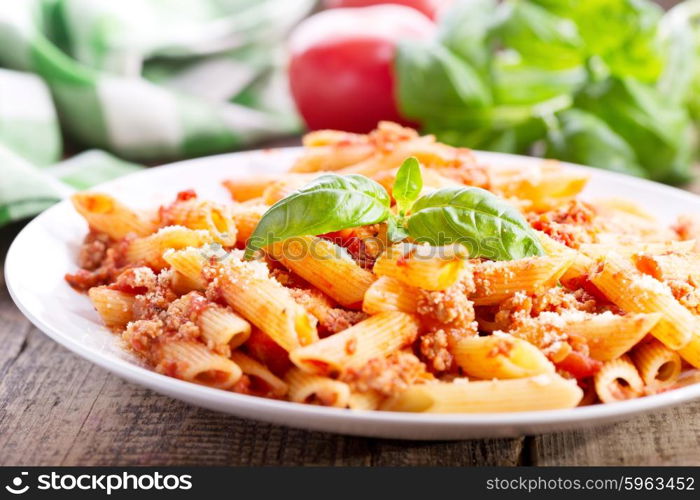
58,409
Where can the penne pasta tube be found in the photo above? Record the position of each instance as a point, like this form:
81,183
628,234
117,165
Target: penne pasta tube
610,336
369,400
327,266
248,188
670,266
188,262
422,266
251,292
377,336
658,366
114,307
545,186
181,284
579,266
542,392
149,250
193,362
201,214
500,356
618,380
281,188
222,329
246,218
497,281
390,294
635,292
691,351
105,214
308,388
273,386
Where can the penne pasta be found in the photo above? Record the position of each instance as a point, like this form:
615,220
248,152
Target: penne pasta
189,263
543,392
496,281
422,266
618,380
105,214
222,329
114,307
201,214
246,218
150,249
500,356
251,292
264,380
390,294
544,186
195,363
377,336
635,292
315,389
609,336
657,365
327,266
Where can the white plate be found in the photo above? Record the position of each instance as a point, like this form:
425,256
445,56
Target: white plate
47,248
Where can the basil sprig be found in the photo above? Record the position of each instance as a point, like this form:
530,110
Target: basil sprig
488,226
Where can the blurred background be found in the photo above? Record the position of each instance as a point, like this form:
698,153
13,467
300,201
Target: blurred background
94,89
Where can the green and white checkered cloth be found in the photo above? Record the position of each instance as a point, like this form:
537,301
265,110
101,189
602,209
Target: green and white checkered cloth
146,80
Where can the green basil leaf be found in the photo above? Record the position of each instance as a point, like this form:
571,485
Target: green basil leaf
518,82
395,231
432,81
624,33
542,38
408,185
517,138
658,131
329,203
681,48
488,226
586,139
466,28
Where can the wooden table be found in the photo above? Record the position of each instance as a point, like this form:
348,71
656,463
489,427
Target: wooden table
58,409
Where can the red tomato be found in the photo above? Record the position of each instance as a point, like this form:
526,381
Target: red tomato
579,365
430,8
341,69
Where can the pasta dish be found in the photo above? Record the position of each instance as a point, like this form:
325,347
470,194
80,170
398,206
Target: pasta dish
391,272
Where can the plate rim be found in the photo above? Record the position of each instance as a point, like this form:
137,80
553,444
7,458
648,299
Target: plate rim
184,390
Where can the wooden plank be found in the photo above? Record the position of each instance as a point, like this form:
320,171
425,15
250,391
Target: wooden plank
669,437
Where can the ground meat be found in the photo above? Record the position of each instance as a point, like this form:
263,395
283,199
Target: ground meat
559,300
515,311
388,376
687,294
449,307
94,250
180,319
104,260
142,335
571,224
136,280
